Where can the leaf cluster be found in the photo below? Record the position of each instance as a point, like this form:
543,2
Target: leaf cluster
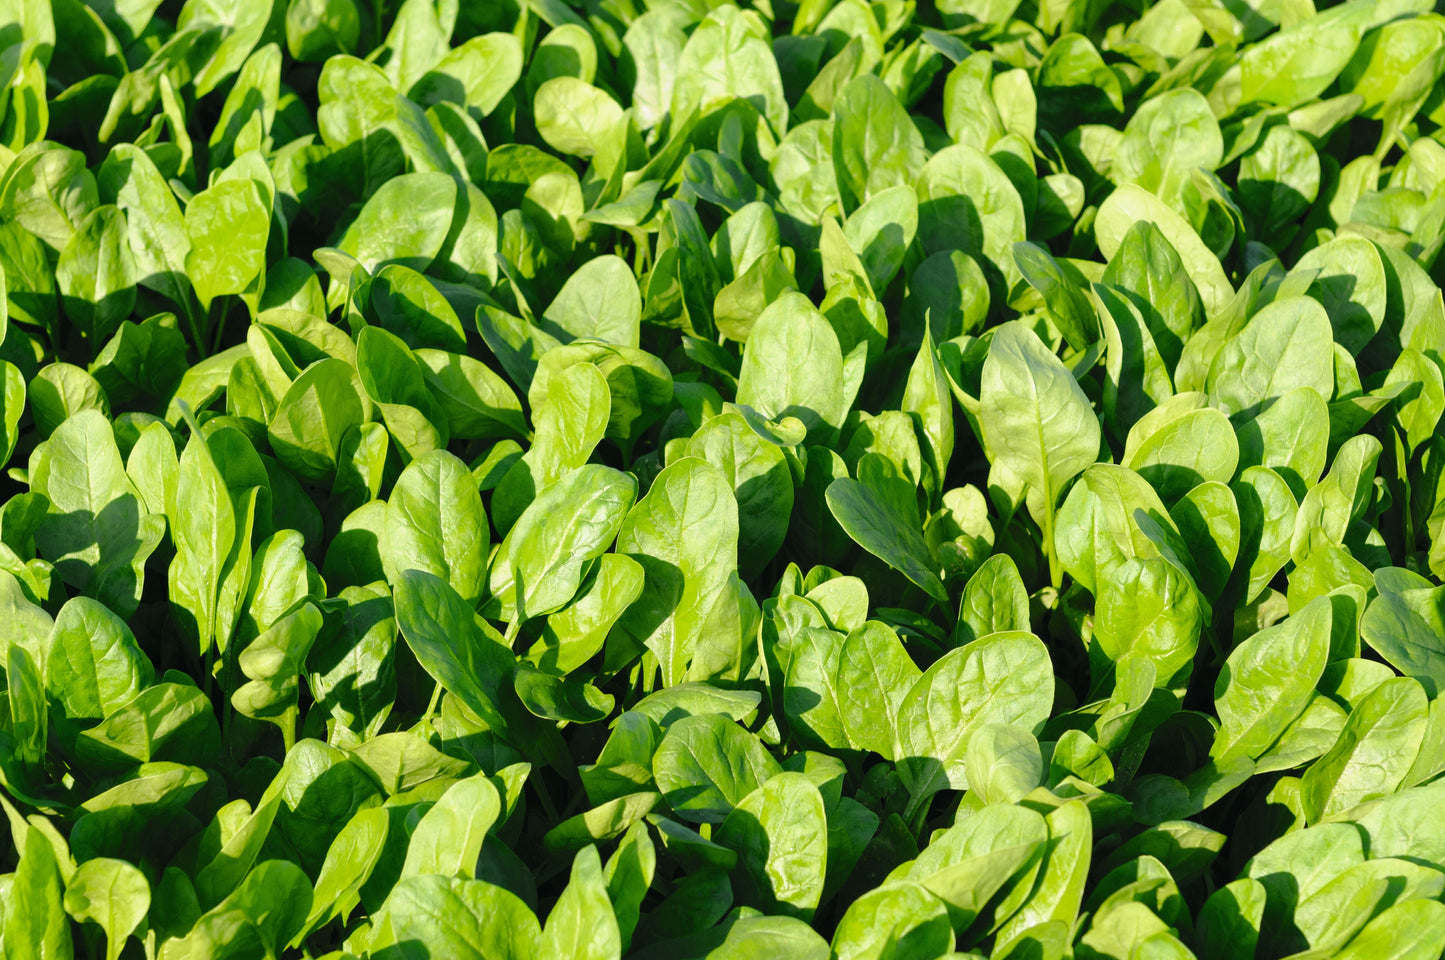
677,479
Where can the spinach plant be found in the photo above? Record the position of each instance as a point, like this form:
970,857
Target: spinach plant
846,479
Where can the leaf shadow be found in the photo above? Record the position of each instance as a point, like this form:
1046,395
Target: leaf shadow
1063,108
1171,480
885,245
251,104
434,86
354,172
758,497
663,592
1254,25
400,307
555,60
355,692
97,554
679,797
1270,209
404,950
99,319
357,557
959,216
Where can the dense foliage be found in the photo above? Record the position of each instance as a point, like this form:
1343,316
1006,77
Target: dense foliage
666,478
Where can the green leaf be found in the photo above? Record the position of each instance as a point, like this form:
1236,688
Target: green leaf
35,923
228,225
574,116
1290,436
761,480
1185,451
901,914
424,202
394,381
159,239
96,273
883,530
314,416
706,764
572,635
453,644
881,230
1002,678
1283,347
1130,204
574,521
450,917
14,407
684,535
1168,136
599,301
810,696
728,57
1399,624
477,403
351,673
569,420
582,923
112,894
1230,919
60,390
97,531
1338,500
1405,930
965,202
1373,753
560,698
1267,680
476,74
875,144
1067,302
350,859
95,664
1297,64
448,838
410,306
435,524
793,366
780,835
273,663
317,28
1011,760
875,673
1037,423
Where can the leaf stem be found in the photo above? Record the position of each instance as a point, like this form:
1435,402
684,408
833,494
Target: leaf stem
218,321
197,340
1210,634
916,813
1056,576
431,706
226,729
288,727
208,663
228,686
548,806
